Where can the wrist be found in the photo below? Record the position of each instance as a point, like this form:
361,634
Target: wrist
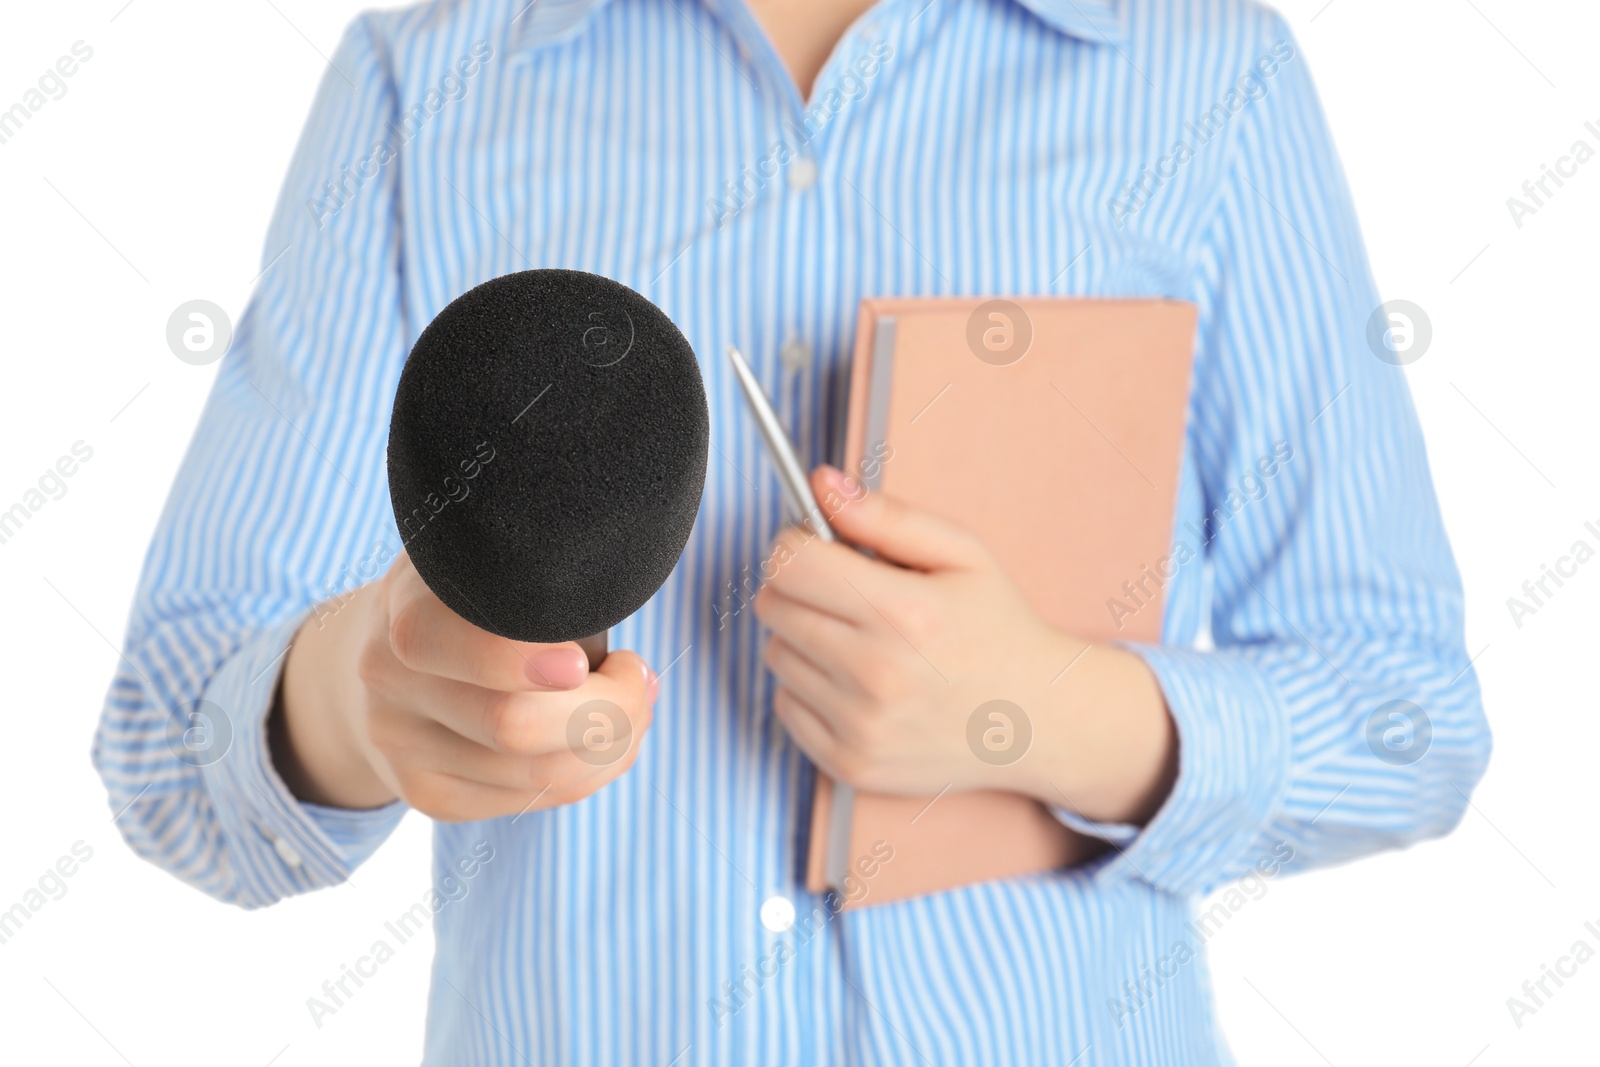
314,727
1107,748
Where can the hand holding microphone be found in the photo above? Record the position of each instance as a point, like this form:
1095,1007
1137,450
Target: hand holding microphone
460,723
547,454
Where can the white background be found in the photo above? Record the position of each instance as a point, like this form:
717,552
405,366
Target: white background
150,183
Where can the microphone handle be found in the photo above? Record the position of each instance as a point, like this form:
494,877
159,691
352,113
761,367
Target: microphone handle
595,648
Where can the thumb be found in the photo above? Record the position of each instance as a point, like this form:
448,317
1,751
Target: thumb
631,671
897,532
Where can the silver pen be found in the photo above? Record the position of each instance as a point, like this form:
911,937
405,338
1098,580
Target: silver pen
791,475
803,506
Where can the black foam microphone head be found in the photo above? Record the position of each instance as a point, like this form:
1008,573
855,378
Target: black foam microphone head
547,453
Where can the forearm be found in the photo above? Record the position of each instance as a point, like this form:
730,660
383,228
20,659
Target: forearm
316,747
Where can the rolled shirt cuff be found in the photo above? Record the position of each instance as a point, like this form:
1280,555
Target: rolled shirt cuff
277,843
1234,755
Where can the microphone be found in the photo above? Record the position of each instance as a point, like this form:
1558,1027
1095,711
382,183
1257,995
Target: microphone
547,453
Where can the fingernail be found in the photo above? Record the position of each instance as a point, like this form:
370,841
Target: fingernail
558,668
652,681
835,478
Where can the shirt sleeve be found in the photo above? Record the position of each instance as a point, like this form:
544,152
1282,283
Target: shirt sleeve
1337,712
280,505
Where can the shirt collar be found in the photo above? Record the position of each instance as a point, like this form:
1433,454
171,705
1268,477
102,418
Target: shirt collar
1095,21
549,21
542,22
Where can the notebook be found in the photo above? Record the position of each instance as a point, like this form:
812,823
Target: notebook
1053,428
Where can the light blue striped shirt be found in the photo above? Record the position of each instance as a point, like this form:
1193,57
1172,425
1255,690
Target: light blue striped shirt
1084,147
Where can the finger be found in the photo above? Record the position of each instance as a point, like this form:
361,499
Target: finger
829,577
429,638
807,680
616,710
807,730
633,681
423,745
821,635
895,531
449,798
516,724
822,639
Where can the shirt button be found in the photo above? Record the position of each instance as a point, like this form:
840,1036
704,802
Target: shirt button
795,354
286,852
802,174
777,913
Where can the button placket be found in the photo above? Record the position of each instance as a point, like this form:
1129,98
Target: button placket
777,913
795,355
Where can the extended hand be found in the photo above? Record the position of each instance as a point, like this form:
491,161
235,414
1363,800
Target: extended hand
397,696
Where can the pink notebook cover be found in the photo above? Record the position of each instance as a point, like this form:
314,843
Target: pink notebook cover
1065,460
